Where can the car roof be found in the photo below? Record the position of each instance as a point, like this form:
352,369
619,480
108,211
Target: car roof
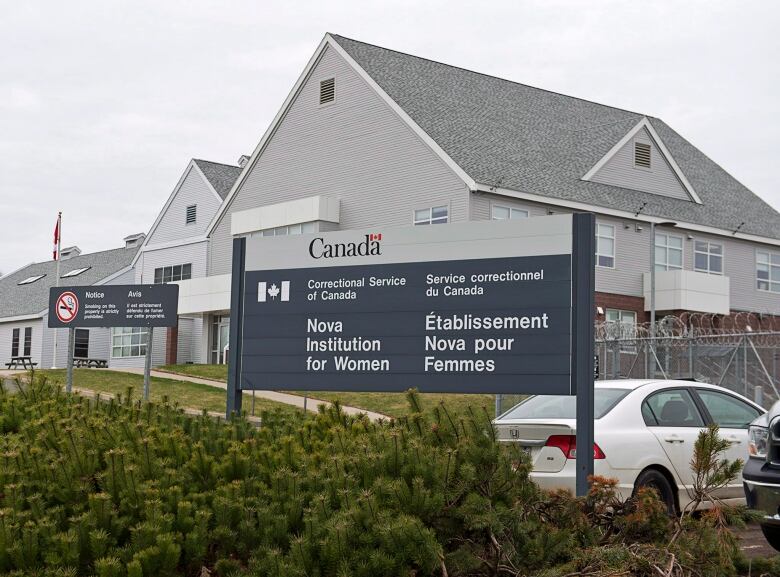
633,384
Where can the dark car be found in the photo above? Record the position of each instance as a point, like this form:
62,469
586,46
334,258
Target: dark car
761,475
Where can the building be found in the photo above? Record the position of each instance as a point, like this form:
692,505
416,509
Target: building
176,249
24,303
370,137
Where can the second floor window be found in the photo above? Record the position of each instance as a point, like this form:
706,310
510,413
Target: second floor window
172,273
768,271
605,245
507,212
708,257
668,251
433,215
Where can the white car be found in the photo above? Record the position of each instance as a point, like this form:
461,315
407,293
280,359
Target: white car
645,431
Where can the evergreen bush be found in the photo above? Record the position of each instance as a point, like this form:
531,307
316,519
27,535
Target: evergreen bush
123,488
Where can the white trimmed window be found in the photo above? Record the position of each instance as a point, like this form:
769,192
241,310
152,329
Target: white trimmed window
768,271
433,215
174,273
128,341
622,326
668,251
301,228
605,245
507,212
708,257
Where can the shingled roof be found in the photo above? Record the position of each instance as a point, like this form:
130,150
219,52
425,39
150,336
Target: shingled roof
220,176
29,299
539,142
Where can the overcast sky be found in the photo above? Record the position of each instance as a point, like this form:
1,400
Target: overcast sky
103,103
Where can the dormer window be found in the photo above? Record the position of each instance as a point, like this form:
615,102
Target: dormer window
31,279
192,214
76,272
641,155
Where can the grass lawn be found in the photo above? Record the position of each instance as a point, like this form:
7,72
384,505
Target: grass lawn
192,395
393,404
216,372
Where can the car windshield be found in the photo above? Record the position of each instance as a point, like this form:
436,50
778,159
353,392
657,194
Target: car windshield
564,407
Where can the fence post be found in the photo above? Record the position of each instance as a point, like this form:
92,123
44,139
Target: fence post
616,360
745,364
758,395
690,358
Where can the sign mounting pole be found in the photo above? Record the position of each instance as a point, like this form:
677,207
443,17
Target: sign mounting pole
71,349
148,362
583,286
234,395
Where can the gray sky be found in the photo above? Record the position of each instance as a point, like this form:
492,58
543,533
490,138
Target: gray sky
103,103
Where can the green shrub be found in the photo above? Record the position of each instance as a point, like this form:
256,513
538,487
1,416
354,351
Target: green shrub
130,489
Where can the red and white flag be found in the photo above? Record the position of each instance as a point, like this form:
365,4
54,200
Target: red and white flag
56,252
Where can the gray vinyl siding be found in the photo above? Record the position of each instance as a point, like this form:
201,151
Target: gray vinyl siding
6,335
193,190
195,254
659,179
190,332
98,344
739,264
356,149
632,248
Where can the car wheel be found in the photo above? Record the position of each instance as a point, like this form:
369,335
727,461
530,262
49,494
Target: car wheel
656,480
772,535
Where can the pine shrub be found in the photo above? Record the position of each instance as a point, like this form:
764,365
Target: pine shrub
123,488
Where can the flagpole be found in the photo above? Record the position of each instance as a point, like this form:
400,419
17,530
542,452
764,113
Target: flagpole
57,281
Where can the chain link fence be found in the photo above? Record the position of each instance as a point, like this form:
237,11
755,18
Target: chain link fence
740,352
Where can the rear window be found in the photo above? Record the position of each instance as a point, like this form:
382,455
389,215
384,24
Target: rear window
564,407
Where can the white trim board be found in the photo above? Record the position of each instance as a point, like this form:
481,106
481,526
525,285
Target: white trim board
329,42
173,243
645,123
571,204
20,318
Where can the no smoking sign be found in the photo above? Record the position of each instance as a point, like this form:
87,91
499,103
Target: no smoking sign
67,307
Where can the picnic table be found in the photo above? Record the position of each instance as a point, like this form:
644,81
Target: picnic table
90,363
25,362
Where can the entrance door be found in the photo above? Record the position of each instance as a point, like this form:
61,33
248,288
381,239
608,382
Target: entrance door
220,335
224,339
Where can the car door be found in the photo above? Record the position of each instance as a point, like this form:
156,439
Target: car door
732,415
674,418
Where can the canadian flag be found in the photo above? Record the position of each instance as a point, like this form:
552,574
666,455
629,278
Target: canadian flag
56,252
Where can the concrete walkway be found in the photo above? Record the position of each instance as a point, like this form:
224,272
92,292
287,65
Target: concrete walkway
286,398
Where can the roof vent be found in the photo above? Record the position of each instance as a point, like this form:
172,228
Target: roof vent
134,239
641,155
242,160
327,90
69,252
192,214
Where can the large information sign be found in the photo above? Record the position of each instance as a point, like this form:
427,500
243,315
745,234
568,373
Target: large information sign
479,307
114,306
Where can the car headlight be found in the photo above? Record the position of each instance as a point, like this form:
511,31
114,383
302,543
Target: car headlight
758,439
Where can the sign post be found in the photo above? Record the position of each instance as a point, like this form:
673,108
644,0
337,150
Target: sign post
71,348
478,307
113,306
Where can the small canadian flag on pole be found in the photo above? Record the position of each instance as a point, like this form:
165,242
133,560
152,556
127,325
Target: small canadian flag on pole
56,252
